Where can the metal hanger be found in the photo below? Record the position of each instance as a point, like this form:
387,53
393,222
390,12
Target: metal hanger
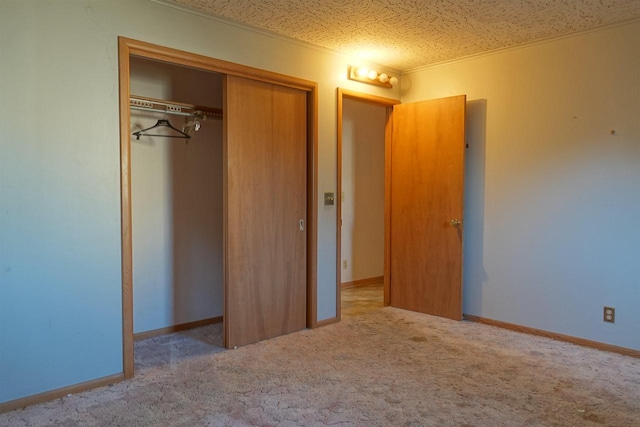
162,123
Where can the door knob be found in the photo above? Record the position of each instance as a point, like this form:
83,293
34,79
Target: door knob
455,222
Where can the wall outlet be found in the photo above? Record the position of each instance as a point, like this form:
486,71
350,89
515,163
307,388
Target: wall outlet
610,314
344,264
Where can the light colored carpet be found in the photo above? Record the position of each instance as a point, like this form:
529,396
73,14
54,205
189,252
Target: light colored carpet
388,367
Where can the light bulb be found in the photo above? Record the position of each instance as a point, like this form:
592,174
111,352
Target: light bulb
372,75
393,81
383,78
362,71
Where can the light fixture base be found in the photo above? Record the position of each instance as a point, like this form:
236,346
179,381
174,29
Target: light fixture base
362,75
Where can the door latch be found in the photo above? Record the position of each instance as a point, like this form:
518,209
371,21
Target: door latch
302,225
455,222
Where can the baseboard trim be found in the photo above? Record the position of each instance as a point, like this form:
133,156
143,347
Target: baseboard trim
326,322
553,335
176,328
59,392
363,282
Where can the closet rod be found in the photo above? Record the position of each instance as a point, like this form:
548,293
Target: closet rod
143,103
157,110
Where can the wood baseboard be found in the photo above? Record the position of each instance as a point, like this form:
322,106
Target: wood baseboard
326,322
176,328
559,337
59,392
363,282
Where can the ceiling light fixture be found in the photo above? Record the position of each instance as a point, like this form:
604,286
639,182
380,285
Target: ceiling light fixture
372,77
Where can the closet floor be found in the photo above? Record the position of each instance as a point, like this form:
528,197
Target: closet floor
166,350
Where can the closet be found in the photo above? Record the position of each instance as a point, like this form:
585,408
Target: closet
176,187
219,222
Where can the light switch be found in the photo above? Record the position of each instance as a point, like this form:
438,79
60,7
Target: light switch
329,199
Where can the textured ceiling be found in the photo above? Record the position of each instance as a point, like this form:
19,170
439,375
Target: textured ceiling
406,34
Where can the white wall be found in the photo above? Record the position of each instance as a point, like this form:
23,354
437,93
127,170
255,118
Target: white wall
176,203
60,267
552,229
363,189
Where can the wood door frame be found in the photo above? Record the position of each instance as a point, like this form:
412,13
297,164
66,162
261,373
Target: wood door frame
388,104
130,47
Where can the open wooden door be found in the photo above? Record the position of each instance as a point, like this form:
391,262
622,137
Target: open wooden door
427,176
265,218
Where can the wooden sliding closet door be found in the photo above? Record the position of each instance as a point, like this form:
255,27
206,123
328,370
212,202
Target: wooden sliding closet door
265,137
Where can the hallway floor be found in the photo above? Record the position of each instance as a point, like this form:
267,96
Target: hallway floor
362,299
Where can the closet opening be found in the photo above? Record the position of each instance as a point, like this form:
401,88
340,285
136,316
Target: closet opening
176,210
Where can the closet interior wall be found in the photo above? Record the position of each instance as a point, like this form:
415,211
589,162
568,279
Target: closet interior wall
177,203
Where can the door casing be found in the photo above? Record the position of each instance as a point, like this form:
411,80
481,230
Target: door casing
130,47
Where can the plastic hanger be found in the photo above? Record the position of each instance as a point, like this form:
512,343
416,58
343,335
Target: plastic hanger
162,123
